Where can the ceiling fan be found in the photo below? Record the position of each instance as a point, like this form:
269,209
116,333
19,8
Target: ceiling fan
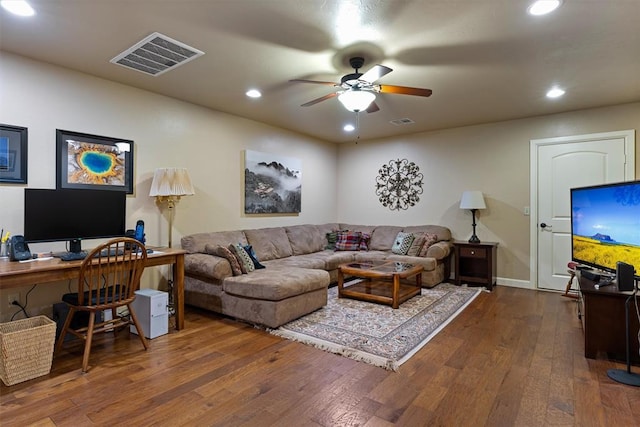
358,90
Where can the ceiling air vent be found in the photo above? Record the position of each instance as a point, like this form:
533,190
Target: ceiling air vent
156,54
401,122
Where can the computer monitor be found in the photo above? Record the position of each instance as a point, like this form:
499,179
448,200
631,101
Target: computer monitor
73,215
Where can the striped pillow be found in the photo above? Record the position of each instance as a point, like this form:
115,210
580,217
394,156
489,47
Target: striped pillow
429,239
225,253
246,264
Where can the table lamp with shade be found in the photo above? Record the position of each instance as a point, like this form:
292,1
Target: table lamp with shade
473,200
169,184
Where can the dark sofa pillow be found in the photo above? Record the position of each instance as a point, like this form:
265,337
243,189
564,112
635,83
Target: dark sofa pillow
252,254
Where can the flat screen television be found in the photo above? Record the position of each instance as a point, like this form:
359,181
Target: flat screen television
73,215
605,225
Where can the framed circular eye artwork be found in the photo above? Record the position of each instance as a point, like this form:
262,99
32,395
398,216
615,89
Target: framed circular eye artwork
399,184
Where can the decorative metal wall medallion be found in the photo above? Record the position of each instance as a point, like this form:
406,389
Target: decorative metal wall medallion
399,184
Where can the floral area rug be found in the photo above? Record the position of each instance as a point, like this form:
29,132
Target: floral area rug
375,333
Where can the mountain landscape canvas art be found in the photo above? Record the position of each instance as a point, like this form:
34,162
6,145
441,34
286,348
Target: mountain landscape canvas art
272,183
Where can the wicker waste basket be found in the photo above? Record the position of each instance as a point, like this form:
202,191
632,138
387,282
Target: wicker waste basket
27,349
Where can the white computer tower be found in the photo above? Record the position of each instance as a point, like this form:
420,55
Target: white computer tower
152,312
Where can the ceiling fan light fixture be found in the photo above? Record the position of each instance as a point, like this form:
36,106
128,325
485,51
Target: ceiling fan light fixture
356,100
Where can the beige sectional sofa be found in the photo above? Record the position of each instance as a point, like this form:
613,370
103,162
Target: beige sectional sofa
298,270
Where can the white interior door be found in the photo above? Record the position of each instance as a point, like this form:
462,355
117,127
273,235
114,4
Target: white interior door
562,164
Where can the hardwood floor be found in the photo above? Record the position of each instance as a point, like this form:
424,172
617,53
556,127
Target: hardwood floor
514,357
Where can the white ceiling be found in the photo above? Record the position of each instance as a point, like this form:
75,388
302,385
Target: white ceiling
485,60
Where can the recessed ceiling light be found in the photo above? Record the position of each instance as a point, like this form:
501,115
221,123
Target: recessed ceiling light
253,93
555,92
542,7
349,128
18,7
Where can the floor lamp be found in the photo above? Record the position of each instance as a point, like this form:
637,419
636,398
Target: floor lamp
169,184
473,200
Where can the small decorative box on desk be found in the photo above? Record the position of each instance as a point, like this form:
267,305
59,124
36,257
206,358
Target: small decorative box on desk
475,263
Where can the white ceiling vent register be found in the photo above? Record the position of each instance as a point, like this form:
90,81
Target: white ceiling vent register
156,54
400,122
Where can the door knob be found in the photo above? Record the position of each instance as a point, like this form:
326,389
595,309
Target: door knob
543,225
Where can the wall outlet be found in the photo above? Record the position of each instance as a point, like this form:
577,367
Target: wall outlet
14,296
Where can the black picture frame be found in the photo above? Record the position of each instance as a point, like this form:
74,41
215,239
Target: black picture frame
13,154
85,161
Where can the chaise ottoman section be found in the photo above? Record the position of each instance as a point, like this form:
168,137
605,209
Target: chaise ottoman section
275,296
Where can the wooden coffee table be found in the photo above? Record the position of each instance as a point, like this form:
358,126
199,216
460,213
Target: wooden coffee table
383,282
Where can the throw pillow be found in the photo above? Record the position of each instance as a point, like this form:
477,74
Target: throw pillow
223,252
402,243
252,254
348,241
332,238
429,239
365,238
244,258
418,242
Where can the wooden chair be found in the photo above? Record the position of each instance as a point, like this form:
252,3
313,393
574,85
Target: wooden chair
108,279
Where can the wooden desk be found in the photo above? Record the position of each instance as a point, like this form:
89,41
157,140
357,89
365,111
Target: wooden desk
15,274
603,321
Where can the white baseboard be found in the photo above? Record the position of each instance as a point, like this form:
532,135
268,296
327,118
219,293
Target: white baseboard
515,283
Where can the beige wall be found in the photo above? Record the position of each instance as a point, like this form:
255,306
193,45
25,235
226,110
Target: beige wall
493,158
167,133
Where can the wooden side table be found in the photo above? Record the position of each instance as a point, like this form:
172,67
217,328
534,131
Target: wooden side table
475,263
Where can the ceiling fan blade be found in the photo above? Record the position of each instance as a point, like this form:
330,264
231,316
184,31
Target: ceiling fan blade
404,90
314,82
376,72
322,98
373,107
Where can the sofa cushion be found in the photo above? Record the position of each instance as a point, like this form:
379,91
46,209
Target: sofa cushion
276,284
314,260
383,237
305,239
225,253
402,243
246,264
439,250
195,243
269,243
334,259
348,241
209,266
371,256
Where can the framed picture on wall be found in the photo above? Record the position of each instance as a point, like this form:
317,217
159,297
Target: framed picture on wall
93,162
272,184
13,154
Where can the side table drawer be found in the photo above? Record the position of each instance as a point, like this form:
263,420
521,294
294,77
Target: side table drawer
473,253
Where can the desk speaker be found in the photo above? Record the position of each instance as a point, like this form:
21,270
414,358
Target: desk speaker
624,276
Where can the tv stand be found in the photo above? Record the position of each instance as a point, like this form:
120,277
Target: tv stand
603,321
